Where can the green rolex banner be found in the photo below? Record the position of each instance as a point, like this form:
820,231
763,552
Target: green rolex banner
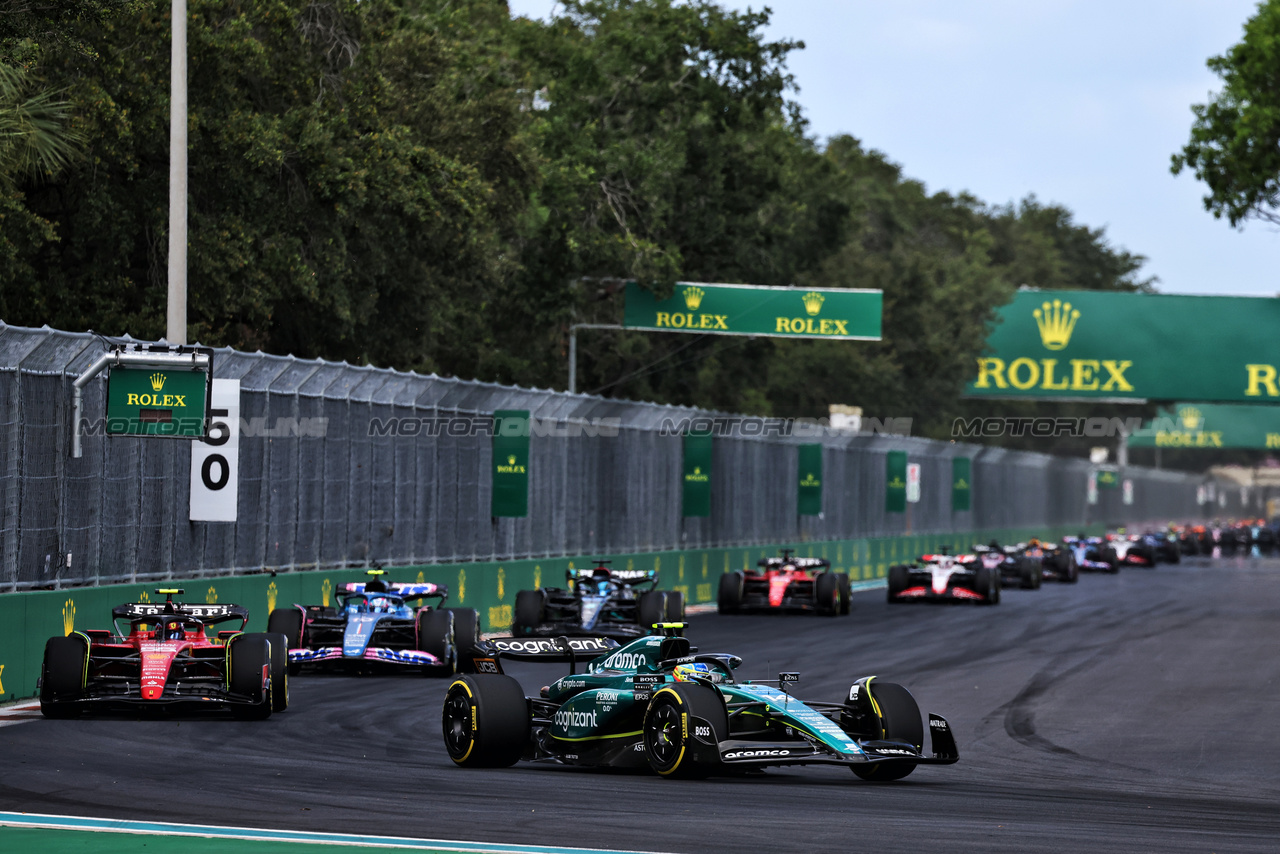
1212,425
809,498
157,402
961,483
1108,478
696,495
842,314
510,462
895,482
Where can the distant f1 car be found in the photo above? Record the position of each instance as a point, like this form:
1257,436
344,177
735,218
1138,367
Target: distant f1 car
786,583
944,578
1013,564
1093,554
166,660
597,601
658,703
373,627
1164,546
1132,550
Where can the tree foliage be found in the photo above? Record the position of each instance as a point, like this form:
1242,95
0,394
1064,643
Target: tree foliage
432,185
1235,139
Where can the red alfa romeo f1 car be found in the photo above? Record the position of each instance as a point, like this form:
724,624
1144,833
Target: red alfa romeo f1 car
785,583
166,660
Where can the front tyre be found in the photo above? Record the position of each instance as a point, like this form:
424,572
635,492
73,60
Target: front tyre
826,590
62,680
486,721
846,594
899,580
466,636
684,721
250,655
899,720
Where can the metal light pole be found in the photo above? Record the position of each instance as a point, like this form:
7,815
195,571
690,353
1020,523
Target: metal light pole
176,320
573,349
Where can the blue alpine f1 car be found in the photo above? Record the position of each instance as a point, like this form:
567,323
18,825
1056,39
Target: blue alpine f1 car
374,626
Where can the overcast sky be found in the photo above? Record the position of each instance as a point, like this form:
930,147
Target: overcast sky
1080,102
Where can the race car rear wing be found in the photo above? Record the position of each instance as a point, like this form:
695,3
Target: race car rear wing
404,591
622,576
797,562
206,613
488,654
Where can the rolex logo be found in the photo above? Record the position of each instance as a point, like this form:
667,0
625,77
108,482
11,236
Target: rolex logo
1056,321
693,297
69,617
511,460
1191,418
272,593
813,302
326,590
157,381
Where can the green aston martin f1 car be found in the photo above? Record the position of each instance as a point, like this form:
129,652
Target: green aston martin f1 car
657,702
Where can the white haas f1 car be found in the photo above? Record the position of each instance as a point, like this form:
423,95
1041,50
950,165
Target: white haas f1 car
944,578
375,627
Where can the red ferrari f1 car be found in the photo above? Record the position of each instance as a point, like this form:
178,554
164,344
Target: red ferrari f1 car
166,660
786,583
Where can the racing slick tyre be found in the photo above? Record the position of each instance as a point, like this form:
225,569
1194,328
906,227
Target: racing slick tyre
1069,569
671,740
899,721
436,633
826,594
1110,558
531,612
846,594
675,606
1174,555
729,600
486,721
1031,575
249,654
466,636
987,583
899,580
279,669
62,677
651,608
288,622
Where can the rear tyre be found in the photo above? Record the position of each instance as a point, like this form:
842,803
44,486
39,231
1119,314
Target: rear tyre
466,636
288,622
1072,574
670,737
899,580
675,606
846,594
62,678
729,600
899,721
1030,574
250,653
436,633
651,608
530,613
486,721
826,590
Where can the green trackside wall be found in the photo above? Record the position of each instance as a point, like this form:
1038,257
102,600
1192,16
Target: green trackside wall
28,619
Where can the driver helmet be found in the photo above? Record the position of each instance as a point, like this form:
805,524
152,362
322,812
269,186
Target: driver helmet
1033,543
692,670
173,630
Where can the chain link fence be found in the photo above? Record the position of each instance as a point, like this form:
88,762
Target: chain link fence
348,466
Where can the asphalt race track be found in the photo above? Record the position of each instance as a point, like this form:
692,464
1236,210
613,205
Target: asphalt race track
1125,713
